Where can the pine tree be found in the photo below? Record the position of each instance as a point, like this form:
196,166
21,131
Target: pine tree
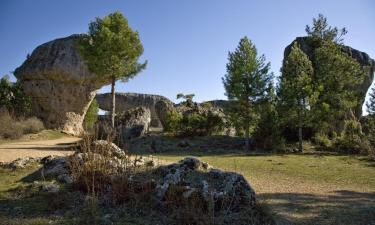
246,81
296,90
111,50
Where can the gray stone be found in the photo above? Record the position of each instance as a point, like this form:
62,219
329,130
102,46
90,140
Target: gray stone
229,189
108,147
126,101
59,83
50,187
133,123
162,108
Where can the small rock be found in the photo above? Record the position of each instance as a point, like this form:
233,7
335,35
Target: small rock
50,187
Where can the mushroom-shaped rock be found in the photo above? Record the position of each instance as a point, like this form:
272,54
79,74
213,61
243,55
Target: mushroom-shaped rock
57,79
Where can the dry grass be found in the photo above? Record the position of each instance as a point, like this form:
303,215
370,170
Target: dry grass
14,128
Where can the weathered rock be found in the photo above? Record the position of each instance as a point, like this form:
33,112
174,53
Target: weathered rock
362,58
162,108
20,163
133,123
108,148
50,187
57,167
126,101
230,190
59,83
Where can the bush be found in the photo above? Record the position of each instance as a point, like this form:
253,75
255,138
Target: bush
352,140
194,123
91,115
173,121
32,125
322,140
11,128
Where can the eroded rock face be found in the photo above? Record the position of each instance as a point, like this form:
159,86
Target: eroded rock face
59,83
133,123
162,108
362,58
126,101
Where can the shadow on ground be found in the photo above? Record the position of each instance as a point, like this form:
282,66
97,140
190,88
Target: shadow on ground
339,207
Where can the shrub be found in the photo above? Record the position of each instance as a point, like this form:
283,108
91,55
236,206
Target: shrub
11,128
173,121
352,140
322,140
91,115
13,98
32,125
194,123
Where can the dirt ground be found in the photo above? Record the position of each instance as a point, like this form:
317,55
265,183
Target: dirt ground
11,151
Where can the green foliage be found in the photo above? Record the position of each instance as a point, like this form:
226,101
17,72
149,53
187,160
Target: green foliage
91,115
352,140
13,98
322,140
188,99
173,121
296,92
267,134
321,30
112,48
194,123
246,81
336,76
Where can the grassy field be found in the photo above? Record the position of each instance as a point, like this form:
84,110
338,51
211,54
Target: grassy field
43,135
311,188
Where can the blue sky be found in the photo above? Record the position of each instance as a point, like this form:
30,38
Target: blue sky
186,42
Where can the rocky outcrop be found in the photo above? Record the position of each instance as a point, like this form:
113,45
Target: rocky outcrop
162,108
196,179
129,124
362,58
59,83
126,101
133,123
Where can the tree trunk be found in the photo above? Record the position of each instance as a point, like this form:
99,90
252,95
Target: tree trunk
300,147
247,136
113,112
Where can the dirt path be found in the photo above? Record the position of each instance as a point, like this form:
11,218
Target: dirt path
41,148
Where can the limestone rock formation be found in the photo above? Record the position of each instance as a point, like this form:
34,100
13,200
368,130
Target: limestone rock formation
162,108
196,178
133,123
59,83
126,101
362,58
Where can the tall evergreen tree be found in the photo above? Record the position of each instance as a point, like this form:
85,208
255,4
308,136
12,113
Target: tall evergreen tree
112,50
296,90
337,76
321,30
246,81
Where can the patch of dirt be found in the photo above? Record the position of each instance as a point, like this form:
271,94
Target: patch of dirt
20,149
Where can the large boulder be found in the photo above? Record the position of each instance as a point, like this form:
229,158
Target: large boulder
196,179
59,83
133,123
362,58
162,108
126,101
